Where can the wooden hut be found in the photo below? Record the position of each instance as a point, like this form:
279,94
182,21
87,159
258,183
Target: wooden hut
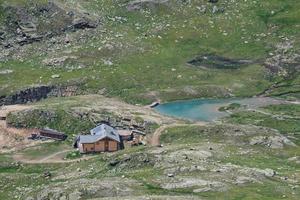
103,138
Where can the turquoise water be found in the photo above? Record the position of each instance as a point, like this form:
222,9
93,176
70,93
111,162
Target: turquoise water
207,109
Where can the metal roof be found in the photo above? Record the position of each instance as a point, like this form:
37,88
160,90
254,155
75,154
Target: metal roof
89,138
106,131
100,132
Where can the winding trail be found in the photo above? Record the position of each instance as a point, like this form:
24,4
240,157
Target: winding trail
273,115
53,158
155,138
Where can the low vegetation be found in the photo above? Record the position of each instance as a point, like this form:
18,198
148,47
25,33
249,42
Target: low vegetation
148,49
145,51
73,155
56,119
281,117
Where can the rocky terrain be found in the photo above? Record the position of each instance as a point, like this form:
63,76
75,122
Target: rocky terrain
74,64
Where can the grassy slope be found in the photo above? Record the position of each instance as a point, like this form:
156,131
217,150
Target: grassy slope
146,63
283,124
161,55
266,158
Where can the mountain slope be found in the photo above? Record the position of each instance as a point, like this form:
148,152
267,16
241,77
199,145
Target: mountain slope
139,50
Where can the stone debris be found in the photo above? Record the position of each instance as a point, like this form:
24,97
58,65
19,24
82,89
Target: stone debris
6,71
274,142
55,76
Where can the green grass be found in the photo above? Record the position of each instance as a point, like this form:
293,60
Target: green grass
258,157
73,155
276,159
284,109
269,190
182,135
44,150
145,64
59,119
283,125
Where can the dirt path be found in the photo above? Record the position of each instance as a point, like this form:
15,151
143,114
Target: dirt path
53,158
273,115
155,138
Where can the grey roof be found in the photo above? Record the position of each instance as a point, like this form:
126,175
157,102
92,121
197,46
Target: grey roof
98,133
106,131
88,138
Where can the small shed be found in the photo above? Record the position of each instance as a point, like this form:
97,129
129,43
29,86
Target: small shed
126,135
53,134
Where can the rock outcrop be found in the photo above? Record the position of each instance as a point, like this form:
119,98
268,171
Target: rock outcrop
284,61
37,93
27,24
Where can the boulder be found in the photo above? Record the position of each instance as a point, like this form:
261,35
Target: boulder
114,162
55,76
269,172
83,23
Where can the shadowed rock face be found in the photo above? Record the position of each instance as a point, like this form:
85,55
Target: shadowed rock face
30,24
218,62
37,93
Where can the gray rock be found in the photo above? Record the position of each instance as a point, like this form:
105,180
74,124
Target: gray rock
83,22
6,71
199,190
75,195
55,76
63,197
38,93
114,162
58,61
215,9
275,142
269,172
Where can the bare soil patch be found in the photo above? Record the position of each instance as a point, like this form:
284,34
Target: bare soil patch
11,138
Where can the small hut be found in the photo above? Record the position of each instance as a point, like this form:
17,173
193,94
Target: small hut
53,134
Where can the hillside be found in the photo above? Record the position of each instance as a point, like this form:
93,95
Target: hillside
72,65
142,51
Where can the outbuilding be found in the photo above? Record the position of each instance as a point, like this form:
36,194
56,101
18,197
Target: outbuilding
52,134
